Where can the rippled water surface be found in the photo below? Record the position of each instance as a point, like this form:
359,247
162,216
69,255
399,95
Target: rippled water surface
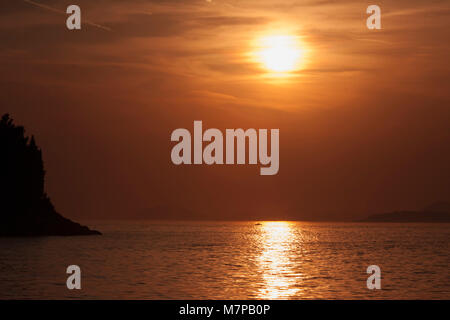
232,260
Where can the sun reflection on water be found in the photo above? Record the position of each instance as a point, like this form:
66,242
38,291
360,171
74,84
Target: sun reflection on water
278,247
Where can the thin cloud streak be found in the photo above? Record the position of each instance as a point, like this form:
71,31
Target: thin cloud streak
43,6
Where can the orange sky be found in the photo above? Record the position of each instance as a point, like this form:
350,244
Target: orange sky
364,124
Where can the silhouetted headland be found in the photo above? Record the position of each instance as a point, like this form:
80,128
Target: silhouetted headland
438,212
25,208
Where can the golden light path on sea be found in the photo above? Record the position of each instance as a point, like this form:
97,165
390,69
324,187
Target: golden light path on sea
278,243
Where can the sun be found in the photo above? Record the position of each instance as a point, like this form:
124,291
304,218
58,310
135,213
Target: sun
280,53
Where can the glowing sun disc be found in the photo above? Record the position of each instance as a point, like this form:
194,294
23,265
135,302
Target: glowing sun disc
280,53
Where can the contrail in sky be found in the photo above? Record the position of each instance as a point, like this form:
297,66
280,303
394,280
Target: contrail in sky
43,6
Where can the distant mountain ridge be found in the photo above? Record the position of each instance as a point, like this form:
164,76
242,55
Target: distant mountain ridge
438,212
440,206
167,212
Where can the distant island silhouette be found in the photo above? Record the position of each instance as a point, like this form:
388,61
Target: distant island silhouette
438,212
25,208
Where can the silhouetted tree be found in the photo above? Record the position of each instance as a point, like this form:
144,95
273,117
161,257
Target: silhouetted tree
22,172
